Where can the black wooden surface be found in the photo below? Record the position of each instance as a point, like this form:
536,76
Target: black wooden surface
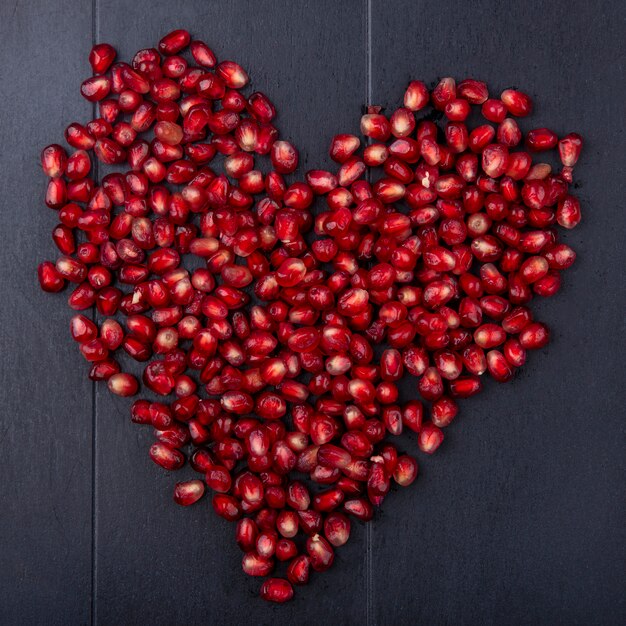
519,519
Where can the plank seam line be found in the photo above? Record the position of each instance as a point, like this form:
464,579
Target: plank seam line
369,570
94,447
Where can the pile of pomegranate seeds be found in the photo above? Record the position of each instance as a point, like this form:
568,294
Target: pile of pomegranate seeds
280,353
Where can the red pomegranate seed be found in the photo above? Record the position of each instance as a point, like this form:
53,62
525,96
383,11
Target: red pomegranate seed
509,133
246,534
568,212
298,570
337,529
166,457
284,157
494,160
360,508
499,367
570,148
416,96
123,384
494,110
376,126
83,329
49,278
233,74
514,353
276,590
534,336
516,102
444,92
405,471
174,42
227,507
56,193
256,565
474,91
320,553
286,550
189,492
444,410
343,147
54,161
430,438
101,57
202,54
541,139
95,88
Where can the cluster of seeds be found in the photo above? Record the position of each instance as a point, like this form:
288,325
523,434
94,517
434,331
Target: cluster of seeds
280,353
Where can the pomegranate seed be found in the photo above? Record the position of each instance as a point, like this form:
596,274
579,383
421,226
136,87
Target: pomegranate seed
343,147
202,54
189,492
298,496
56,193
298,570
83,329
541,139
534,336
405,471
246,534
284,157
256,565
174,42
516,102
166,457
444,92
123,384
266,544
101,57
568,212
416,96
337,529
494,160
95,88
227,507
49,278
457,110
430,438
360,508
232,74
320,552
489,336
134,80
570,148
509,133
376,126
474,91
54,161
276,590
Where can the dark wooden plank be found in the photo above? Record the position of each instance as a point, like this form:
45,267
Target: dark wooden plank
45,429
519,517
156,562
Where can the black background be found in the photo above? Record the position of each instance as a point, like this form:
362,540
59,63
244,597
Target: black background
519,519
